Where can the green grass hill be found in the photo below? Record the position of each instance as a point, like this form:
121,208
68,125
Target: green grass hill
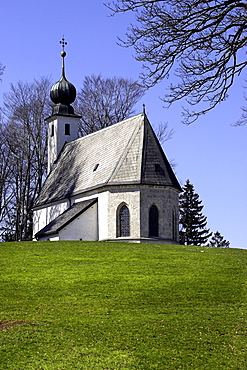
110,306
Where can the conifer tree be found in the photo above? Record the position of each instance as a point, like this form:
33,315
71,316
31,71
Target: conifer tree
218,241
193,223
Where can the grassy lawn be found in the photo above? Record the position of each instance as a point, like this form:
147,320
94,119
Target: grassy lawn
107,306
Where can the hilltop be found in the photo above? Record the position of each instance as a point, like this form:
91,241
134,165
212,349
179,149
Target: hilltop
95,306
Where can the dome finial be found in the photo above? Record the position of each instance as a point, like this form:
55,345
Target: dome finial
63,54
63,92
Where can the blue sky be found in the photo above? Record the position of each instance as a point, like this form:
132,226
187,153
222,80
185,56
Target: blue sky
211,153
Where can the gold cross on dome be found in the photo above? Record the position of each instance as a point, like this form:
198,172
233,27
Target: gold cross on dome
63,43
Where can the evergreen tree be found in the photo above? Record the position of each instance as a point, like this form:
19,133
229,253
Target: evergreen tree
218,241
193,223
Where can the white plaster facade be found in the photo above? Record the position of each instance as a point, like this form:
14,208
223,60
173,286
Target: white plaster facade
43,216
100,221
61,129
84,227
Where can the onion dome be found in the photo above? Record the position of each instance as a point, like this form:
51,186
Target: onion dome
63,93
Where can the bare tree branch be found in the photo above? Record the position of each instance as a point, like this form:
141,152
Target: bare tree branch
201,41
105,101
163,134
2,68
25,142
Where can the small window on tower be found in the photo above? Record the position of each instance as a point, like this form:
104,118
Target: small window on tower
67,129
52,130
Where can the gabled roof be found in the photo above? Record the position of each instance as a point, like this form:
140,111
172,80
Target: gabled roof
125,153
65,218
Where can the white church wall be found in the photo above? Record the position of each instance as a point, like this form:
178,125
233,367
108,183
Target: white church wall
52,143
53,238
100,221
166,200
139,199
132,199
103,205
103,211
84,227
102,215
57,135
108,203
44,216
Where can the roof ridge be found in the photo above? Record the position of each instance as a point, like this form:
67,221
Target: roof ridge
106,128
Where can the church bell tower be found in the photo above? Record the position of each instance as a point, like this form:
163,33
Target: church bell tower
63,123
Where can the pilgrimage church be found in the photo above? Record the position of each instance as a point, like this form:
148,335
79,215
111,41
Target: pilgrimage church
112,185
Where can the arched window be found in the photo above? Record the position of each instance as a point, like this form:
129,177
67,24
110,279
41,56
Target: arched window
153,221
123,221
174,224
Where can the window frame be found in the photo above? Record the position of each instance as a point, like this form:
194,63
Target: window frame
121,233
153,221
67,129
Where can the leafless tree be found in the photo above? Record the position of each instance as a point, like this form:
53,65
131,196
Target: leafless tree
243,119
25,107
105,101
2,68
5,178
163,133
201,41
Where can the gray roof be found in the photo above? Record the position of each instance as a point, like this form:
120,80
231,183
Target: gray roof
65,218
125,153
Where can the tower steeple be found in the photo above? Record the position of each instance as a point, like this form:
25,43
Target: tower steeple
63,123
63,92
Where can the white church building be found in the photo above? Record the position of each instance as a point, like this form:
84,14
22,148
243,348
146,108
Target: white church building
112,185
